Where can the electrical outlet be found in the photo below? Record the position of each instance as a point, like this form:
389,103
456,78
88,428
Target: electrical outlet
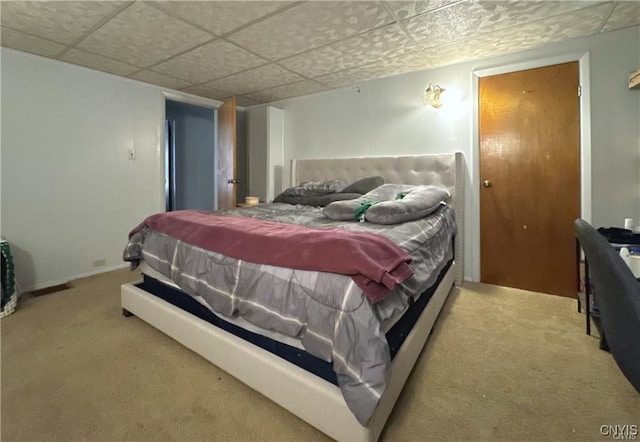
132,154
99,262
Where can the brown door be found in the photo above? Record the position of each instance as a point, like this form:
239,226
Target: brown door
226,163
530,178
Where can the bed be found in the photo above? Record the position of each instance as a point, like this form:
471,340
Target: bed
291,385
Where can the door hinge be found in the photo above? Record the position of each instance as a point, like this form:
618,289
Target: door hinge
579,91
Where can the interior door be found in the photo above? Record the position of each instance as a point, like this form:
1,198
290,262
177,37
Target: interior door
226,178
530,178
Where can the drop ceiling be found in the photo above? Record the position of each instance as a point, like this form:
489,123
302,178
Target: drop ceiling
263,51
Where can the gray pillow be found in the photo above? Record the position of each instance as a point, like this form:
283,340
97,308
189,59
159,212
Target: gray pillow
315,200
364,185
417,203
420,201
315,188
346,210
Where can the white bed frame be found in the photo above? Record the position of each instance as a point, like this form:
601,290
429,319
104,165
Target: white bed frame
309,397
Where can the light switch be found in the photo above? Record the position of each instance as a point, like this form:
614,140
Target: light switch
132,154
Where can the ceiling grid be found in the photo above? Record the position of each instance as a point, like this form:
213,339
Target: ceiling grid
263,51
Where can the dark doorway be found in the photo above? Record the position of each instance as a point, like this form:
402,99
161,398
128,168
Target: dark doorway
190,159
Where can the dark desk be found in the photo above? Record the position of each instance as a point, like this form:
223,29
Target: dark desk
588,292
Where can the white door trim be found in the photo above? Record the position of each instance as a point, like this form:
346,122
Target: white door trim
182,97
585,140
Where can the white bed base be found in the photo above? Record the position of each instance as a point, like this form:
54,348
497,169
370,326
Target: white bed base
287,384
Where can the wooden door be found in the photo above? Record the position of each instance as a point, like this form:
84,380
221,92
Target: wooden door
226,152
530,178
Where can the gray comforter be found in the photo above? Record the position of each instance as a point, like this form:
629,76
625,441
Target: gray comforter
327,312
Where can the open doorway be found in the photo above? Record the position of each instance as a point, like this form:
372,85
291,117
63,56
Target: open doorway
190,156
192,153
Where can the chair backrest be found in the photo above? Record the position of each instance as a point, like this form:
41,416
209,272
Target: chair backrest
618,297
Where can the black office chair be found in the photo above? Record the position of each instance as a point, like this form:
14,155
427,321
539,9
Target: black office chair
617,294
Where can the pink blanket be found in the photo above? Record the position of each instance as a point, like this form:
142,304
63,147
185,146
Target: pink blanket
375,263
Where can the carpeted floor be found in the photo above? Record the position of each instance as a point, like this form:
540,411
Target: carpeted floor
502,364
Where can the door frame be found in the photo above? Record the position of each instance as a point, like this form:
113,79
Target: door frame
187,99
585,140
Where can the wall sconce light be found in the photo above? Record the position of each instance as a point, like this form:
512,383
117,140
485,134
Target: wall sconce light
432,95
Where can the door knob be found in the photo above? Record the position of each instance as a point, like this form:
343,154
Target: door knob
233,181
486,183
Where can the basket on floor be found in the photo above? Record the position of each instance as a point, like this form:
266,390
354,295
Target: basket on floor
9,298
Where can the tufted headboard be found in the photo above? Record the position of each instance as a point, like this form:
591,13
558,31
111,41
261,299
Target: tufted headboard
446,170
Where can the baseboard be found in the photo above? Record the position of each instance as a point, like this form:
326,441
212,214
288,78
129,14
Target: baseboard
56,282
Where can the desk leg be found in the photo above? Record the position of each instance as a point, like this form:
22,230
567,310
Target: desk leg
578,273
587,296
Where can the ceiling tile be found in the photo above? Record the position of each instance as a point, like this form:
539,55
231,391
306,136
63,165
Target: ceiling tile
463,20
213,60
142,35
27,43
304,87
334,42
244,101
363,49
410,62
208,92
98,62
404,9
240,100
63,21
159,79
310,25
262,77
578,23
219,17
625,13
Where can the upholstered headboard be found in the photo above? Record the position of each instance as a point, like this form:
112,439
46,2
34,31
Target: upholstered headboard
446,170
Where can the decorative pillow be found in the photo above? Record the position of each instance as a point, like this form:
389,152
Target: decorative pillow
346,210
416,203
364,185
315,188
389,204
315,200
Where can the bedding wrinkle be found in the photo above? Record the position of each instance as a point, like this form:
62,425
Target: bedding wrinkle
235,286
158,263
346,297
335,303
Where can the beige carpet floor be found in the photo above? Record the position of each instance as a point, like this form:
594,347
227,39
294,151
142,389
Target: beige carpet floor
502,364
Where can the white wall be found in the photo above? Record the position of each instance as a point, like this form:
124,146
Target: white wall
265,151
385,117
1,198
70,195
615,134
258,151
